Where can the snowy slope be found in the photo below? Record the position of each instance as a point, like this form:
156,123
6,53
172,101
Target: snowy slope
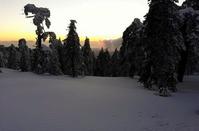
29,102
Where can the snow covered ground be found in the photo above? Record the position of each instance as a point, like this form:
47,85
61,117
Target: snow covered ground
29,102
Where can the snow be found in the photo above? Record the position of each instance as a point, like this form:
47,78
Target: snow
29,102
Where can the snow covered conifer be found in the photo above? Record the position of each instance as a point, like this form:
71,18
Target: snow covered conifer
189,21
25,63
38,58
40,16
1,60
88,58
107,63
14,58
103,63
163,40
131,50
55,66
99,66
115,64
72,52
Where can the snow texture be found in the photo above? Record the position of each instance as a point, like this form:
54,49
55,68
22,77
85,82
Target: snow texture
30,102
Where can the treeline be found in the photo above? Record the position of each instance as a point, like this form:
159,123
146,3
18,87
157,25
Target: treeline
65,57
160,50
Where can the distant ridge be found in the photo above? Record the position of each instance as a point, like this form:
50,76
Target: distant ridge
110,44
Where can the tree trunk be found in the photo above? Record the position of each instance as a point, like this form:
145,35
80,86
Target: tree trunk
39,39
73,64
182,66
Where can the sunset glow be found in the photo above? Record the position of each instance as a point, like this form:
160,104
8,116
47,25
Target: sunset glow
98,20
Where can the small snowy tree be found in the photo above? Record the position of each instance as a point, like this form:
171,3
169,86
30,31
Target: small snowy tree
25,64
14,58
1,60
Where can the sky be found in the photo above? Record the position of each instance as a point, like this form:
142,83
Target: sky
97,19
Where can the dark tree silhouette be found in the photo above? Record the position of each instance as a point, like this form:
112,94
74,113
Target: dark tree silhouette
72,53
115,64
131,51
25,62
162,42
14,58
88,58
190,29
103,63
39,15
56,46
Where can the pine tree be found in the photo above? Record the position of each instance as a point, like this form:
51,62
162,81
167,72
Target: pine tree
162,41
40,15
99,68
107,63
54,65
88,58
14,58
25,56
103,63
4,56
131,51
188,19
38,61
72,53
1,60
115,64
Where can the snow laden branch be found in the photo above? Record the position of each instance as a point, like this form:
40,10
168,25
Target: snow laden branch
39,15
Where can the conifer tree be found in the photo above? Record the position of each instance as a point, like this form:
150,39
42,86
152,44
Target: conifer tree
99,66
14,58
161,44
55,65
103,63
40,15
107,63
131,51
115,64
25,64
3,55
1,60
71,51
88,58
188,19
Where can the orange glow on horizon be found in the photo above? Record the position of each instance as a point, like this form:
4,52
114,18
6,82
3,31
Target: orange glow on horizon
29,36
95,41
